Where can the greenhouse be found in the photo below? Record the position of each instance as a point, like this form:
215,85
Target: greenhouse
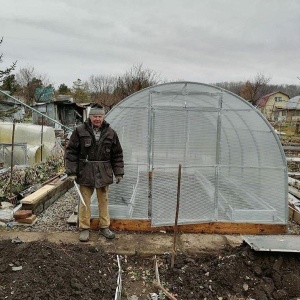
233,168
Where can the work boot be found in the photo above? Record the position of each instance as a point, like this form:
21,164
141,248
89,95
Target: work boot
84,235
106,232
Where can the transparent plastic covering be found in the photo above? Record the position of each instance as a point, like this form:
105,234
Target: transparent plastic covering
233,165
31,143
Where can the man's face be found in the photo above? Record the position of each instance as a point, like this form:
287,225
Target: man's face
97,120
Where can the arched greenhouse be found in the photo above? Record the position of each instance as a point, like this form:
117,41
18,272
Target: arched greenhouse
233,168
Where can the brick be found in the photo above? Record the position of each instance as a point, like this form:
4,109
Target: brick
28,220
22,214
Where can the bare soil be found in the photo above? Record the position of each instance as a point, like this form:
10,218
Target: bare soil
43,270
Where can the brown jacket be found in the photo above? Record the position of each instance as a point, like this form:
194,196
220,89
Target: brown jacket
94,163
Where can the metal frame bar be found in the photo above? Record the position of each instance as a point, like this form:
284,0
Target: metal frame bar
33,109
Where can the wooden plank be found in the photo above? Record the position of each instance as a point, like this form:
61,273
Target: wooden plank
37,195
72,219
40,200
296,174
295,192
213,227
291,148
45,191
296,159
294,215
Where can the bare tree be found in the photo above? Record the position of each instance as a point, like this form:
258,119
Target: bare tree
102,90
109,90
254,89
234,87
29,80
137,78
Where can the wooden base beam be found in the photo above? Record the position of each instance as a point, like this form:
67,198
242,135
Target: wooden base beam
213,227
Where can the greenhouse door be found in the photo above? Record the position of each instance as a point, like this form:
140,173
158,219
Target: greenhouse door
181,136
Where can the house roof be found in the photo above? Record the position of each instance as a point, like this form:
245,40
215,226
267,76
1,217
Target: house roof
293,103
264,99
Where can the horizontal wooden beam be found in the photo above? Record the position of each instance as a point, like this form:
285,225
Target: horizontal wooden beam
213,227
45,196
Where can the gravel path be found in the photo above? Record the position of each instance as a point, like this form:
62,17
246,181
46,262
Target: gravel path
55,217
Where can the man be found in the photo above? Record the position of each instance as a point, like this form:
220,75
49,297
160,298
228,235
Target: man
93,155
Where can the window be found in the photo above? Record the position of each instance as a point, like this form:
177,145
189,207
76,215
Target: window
278,99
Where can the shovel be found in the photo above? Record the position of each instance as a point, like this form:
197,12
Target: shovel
79,193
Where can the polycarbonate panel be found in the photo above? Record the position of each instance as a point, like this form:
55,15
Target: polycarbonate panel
131,124
128,199
193,134
184,100
251,195
233,165
196,203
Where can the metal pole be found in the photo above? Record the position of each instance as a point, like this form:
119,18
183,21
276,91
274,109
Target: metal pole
33,109
12,156
176,217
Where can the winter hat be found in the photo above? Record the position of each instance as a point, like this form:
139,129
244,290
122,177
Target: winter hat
97,110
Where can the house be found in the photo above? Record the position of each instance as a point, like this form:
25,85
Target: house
273,105
293,109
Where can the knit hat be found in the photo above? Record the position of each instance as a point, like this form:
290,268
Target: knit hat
97,110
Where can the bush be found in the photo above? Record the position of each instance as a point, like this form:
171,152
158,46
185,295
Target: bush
29,176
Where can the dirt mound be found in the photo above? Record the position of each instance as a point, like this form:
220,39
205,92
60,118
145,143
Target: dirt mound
236,273
42,270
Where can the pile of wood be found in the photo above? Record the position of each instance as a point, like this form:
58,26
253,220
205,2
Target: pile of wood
294,199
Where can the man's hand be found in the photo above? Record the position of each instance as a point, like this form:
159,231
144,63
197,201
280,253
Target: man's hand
118,179
72,177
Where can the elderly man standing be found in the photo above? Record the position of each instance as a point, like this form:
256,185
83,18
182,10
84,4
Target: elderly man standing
93,155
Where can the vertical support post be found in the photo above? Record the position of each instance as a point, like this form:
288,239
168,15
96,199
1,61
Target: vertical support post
12,156
218,155
150,155
42,132
176,217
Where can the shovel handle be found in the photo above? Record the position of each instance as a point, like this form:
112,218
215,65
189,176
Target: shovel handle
79,193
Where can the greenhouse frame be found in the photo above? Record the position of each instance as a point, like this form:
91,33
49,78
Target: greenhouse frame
233,167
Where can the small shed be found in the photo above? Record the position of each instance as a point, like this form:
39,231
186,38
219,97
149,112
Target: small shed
48,109
234,171
293,109
63,110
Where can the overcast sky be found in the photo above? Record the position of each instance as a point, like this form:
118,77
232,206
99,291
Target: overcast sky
194,40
